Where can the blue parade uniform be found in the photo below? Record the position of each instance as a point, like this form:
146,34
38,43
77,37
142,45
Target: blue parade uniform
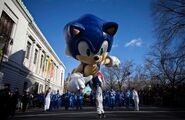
55,99
92,98
122,99
117,99
59,101
67,100
127,98
71,100
52,102
112,98
79,100
131,100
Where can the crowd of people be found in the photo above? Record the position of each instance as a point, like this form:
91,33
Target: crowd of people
8,102
128,98
11,100
159,95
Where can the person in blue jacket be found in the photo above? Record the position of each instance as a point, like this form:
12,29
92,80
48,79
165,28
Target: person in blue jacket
67,99
112,95
58,100
79,100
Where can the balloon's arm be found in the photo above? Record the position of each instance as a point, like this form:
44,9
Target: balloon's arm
77,82
107,61
112,61
79,69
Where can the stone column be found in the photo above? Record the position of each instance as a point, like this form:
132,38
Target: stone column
32,55
38,61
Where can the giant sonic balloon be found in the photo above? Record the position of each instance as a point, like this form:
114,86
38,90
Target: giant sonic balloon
89,40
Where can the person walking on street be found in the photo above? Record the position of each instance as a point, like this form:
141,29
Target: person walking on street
99,102
135,97
47,99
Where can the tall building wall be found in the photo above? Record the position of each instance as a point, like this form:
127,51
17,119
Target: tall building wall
29,62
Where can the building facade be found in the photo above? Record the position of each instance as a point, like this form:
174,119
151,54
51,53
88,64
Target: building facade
28,62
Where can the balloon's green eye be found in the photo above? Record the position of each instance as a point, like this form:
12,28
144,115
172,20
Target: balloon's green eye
101,51
103,48
88,52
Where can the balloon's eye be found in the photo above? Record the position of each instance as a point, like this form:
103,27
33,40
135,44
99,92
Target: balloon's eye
101,51
84,49
88,52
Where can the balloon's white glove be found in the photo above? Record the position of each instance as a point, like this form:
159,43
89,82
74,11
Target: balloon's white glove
78,81
115,62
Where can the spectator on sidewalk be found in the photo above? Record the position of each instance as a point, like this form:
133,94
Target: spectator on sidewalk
25,101
14,96
4,99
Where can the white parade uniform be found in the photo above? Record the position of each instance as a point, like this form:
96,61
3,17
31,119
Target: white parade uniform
136,99
99,100
47,101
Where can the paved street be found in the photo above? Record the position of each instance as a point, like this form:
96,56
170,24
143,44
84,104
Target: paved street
146,113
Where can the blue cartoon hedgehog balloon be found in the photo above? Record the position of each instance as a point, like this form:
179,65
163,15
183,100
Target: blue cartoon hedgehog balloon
89,39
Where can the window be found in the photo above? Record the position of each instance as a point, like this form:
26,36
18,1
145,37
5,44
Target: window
41,61
6,26
28,47
56,72
44,63
35,57
52,69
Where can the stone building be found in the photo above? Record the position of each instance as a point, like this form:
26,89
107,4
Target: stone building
28,62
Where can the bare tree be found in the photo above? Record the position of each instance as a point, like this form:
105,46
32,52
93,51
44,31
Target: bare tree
108,77
126,70
169,19
140,73
117,75
168,54
167,64
141,78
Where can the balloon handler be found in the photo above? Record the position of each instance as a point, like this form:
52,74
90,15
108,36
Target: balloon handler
89,40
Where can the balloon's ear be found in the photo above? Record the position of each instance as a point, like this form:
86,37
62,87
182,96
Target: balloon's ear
110,28
75,29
